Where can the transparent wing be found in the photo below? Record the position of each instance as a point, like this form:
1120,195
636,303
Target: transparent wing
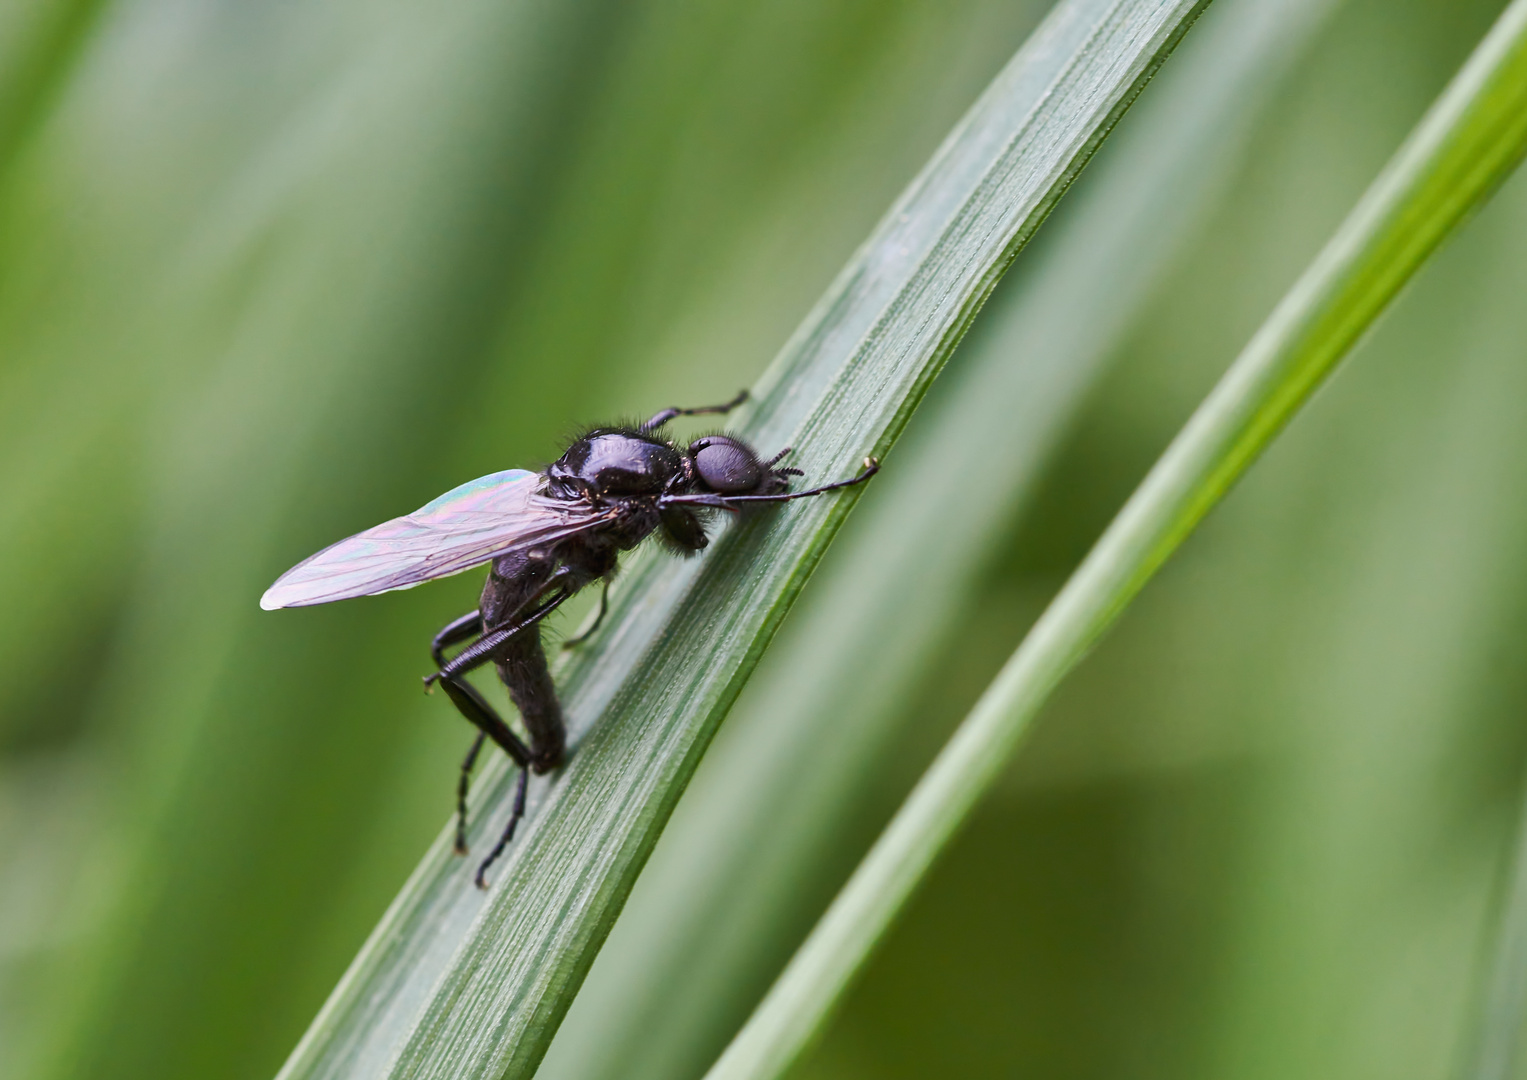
466,527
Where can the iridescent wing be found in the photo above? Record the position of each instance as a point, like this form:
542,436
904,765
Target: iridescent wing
466,527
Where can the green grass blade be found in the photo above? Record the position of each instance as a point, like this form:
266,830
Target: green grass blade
452,984
1463,149
39,43
670,986
1497,1050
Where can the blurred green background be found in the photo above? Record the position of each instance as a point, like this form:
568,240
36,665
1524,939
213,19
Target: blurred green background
271,273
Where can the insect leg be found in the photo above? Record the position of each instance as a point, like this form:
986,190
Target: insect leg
481,651
508,834
471,704
777,458
733,502
463,785
666,415
489,724
871,467
604,606
475,709
453,633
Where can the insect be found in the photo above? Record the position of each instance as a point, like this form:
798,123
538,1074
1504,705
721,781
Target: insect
547,535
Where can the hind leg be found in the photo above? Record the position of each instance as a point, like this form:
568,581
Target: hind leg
508,833
480,714
489,725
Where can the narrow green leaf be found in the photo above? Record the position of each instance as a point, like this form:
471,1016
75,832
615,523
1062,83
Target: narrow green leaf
1462,150
39,42
455,984
1497,1050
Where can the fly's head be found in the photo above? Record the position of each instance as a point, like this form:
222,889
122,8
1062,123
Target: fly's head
721,466
725,465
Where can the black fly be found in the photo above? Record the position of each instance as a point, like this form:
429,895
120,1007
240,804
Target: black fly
547,536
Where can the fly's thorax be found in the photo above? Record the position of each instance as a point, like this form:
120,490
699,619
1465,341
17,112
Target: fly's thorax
618,462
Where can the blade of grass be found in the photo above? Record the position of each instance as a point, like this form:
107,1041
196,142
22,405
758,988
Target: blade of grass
739,867
1467,144
39,43
454,985
1497,1050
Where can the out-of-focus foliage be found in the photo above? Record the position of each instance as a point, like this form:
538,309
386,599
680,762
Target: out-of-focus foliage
1498,1047
270,273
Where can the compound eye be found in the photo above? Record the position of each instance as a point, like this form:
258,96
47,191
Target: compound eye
726,465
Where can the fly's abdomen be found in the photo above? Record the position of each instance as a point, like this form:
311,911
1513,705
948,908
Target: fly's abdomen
517,581
522,667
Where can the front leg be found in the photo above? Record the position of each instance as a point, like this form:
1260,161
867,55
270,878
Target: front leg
736,502
666,415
